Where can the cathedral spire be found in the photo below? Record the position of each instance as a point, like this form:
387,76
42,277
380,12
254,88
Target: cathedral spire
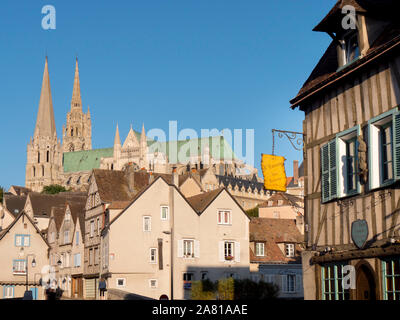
117,140
76,101
45,124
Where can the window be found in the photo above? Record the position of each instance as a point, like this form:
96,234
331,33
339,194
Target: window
19,266
270,203
260,249
153,255
77,238
153,283
290,283
224,217
67,259
96,256
331,277
339,160
146,224
351,47
204,275
188,248
52,237
384,149
68,217
90,257
8,292
229,248
66,236
121,282
289,250
22,240
164,213
47,156
92,228
77,260
98,226
188,277
391,279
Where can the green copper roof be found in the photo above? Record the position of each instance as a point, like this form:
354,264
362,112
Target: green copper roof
85,160
90,159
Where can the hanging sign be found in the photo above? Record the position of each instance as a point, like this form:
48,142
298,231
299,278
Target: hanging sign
273,169
359,233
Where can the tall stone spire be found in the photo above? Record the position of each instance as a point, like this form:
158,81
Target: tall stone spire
45,124
117,140
76,101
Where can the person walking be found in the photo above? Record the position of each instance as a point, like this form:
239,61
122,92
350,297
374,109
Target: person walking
102,288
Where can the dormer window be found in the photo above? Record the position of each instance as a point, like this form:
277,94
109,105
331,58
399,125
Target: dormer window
351,47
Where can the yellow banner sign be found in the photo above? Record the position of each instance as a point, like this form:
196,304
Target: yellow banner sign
273,169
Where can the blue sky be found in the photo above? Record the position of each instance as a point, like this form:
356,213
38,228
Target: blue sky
205,63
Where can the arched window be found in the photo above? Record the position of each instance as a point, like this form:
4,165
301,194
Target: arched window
34,171
38,157
112,166
76,131
72,132
48,156
43,171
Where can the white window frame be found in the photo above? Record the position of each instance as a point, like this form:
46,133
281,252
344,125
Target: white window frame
375,179
232,249
21,266
167,213
287,288
289,250
155,285
7,294
66,236
186,254
341,149
123,285
77,262
221,219
144,223
258,244
151,259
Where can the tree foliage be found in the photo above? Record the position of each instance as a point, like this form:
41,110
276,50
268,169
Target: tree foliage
1,193
233,289
53,189
253,212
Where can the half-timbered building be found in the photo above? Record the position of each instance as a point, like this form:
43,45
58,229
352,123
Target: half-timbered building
352,156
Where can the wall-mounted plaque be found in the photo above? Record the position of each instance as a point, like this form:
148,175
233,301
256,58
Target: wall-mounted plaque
359,233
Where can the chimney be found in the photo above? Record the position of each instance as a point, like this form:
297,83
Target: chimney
130,176
295,171
175,177
151,177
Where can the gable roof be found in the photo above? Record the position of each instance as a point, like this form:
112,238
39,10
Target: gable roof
14,204
19,191
42,203
287,200
327,70
57,214
272,232
78,214
2,234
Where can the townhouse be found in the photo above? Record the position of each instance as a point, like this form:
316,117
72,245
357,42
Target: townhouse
24,253
275,255
162,241
352,156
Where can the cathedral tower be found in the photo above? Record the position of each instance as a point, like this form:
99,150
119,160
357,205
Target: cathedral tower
77,134
44,150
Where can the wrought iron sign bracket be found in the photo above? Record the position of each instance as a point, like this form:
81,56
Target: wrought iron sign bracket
292,136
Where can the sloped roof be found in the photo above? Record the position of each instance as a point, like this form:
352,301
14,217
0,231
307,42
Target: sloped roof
42,203
287,200
78,214
13,203
327,69
201,201
85,160
272,232
58,213
19,191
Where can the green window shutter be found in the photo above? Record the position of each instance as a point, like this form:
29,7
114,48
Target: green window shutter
325,172
333,169
396,145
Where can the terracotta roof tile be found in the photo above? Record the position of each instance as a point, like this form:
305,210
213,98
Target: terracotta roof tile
201,201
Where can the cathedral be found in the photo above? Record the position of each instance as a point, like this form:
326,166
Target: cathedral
69,162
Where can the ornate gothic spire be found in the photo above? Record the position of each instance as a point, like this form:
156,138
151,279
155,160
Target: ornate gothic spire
45,124
76,101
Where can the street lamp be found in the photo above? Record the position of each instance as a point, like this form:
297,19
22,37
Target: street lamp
26,267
